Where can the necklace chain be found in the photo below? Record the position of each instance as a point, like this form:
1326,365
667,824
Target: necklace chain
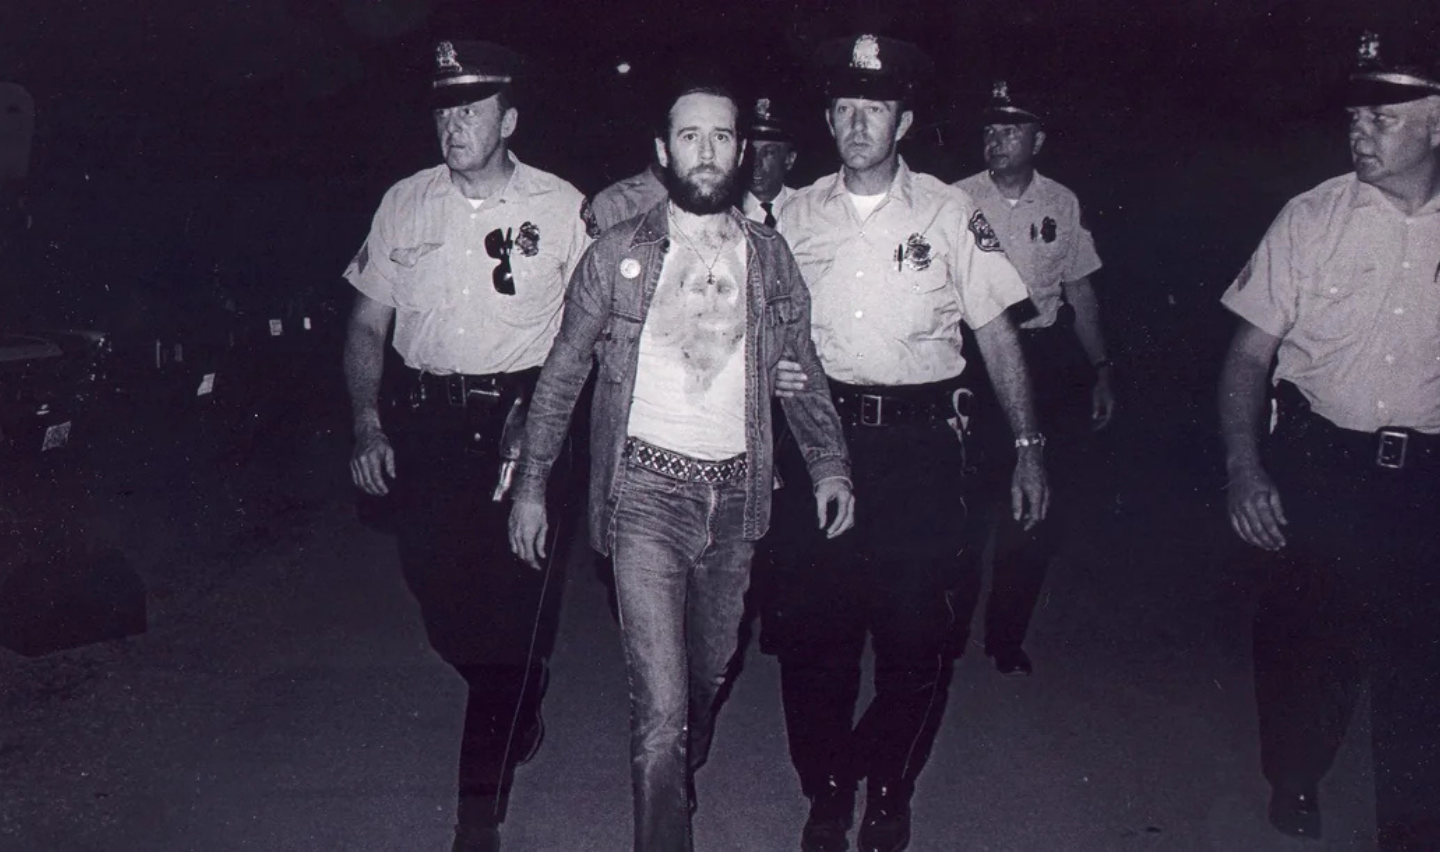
709,267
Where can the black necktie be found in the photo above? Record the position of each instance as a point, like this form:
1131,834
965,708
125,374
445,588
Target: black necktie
769,216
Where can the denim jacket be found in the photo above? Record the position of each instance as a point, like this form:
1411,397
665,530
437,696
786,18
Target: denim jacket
605,308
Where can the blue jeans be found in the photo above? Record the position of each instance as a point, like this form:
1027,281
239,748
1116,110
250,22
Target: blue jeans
681,571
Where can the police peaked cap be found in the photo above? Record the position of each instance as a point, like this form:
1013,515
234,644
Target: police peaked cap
470,71
872,67
1394,67
1000,109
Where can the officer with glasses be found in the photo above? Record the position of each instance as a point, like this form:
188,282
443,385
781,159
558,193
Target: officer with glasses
468,260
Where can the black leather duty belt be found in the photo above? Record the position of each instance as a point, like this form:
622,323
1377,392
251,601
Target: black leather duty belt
903,405
461,390
1390,448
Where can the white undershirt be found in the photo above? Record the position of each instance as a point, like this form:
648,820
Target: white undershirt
866,204
690,378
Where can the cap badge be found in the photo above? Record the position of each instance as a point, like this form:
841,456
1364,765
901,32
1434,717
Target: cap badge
1000,91
866,53
445,57
1369,51
762,108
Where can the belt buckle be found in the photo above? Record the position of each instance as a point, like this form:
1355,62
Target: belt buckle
455,389
1391,449
872,409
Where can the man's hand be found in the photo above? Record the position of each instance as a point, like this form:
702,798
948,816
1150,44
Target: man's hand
1102,401
836,491
1029,490
372,460
789,378
1255,509
529,527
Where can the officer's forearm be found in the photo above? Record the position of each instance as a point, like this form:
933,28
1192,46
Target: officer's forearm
1243,382
1000,347
1081,296
364,362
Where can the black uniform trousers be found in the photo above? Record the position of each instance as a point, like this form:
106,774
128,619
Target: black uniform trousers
1061,379
1354,596
885,579
487,614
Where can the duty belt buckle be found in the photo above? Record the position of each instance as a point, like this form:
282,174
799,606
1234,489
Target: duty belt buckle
871,409
1391,449
455,390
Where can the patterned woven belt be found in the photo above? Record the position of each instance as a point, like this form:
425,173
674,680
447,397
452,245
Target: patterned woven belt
677,466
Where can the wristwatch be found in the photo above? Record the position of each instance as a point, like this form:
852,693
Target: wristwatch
1034,439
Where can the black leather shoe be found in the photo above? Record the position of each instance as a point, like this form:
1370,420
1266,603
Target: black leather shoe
886,827
1012,661
832,811
1296,811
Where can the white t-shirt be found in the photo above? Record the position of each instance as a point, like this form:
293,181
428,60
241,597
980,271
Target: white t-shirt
690,379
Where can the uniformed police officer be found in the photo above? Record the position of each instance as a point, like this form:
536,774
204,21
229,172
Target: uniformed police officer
1040,227
469,260
772,156
624,199
895,261
1345,291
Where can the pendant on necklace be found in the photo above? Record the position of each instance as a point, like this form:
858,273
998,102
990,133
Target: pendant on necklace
710,279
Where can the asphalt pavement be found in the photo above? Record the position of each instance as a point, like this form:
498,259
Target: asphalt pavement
284,697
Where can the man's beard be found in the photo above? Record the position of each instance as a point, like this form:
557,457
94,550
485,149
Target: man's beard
694,198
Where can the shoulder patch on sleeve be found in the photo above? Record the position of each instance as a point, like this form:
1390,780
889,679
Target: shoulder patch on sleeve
587,214
985,238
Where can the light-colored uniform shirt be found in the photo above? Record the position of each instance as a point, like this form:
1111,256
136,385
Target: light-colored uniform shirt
1043,235
750,205
888,294
626,198
426,257
1351,286
690,376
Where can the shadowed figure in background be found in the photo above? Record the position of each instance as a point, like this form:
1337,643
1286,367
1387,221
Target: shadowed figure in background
1341,300
468,260
1042,231
688,310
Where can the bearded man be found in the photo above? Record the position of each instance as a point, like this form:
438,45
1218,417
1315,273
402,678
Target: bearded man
689,310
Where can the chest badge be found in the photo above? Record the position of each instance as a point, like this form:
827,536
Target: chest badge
1047,229
630,268
917,252
528,239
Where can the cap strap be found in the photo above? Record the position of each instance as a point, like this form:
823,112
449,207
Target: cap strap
1397,79
466,79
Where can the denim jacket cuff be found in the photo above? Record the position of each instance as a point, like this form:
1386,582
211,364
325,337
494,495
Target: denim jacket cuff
831,467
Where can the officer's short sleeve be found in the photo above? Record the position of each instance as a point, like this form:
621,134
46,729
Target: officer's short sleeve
372,272
986,281
1266,292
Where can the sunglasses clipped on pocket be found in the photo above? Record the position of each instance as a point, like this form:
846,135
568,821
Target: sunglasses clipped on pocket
498,245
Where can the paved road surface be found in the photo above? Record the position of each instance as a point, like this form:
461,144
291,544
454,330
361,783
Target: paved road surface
284,698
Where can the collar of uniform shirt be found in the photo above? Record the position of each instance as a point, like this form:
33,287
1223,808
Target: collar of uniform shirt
899,186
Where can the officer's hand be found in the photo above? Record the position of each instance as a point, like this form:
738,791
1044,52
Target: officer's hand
1029,489
372,460
789,378
1102,401
1255,509
834,490
529,528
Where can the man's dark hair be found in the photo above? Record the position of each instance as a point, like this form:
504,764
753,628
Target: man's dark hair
901,104
717,88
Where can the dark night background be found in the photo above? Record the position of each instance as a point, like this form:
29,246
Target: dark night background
259,134
200,168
